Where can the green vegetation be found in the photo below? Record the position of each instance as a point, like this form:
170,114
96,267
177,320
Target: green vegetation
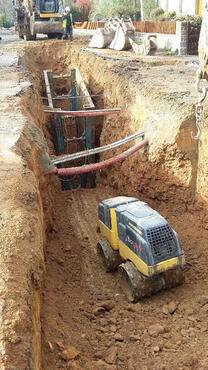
114,8
193,19
149,5
5,22
2,19
156,13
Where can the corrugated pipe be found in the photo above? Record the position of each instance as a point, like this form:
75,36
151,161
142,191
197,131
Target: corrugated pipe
97,166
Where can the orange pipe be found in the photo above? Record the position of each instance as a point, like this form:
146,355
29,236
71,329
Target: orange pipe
97,166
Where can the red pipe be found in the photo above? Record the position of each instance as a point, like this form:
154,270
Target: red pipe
97,166
89,113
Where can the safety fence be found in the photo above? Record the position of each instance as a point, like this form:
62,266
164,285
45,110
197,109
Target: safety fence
145,27
156,27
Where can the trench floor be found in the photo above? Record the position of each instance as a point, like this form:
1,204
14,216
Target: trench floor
87,322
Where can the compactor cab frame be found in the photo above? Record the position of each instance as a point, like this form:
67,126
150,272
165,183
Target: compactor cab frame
39,16
140,242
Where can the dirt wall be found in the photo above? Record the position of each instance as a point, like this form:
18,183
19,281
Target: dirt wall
26,199
158,99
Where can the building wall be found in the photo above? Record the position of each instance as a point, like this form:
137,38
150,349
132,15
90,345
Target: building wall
180,6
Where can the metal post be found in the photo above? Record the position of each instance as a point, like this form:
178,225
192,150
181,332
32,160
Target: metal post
74,95
58,120
88,145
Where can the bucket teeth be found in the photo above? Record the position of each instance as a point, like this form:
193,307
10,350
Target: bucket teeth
137,286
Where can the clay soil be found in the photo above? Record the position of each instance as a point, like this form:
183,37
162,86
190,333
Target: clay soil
86,321
85,312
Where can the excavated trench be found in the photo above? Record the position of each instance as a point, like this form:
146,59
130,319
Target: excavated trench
80,318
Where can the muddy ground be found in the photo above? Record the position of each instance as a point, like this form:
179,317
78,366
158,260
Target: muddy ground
82,318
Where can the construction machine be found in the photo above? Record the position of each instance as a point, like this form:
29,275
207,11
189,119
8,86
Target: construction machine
139,242
39,16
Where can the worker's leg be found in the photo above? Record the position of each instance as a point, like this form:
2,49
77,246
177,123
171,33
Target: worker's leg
64,34
71,34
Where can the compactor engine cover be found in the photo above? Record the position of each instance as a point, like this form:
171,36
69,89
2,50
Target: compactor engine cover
140,235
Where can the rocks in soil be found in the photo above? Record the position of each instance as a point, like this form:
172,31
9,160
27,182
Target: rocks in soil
203,300
50,346
113,328
165,309
134,307
118,337
134,338
71,353
156,329
111,356
103,322
102,307
156,349
170,308
101,365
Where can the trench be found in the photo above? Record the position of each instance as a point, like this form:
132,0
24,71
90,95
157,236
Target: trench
86,322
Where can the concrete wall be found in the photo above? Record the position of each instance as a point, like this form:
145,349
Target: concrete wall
175,43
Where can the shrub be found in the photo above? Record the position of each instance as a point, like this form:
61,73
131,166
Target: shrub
156,13
8,24
168,16
5,22
2,19
193,19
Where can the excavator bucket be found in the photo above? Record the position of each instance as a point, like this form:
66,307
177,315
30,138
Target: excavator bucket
148,47
124,32
203,44
116,35
101,39
104,36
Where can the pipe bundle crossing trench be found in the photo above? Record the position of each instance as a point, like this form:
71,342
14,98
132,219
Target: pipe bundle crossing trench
78,96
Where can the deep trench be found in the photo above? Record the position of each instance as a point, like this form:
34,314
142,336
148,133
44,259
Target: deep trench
74,134
75,286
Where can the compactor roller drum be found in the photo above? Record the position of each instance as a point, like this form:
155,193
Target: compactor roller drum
142,245
136,286
111,259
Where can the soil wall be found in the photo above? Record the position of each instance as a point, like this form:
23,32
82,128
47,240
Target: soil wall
26,199
158,99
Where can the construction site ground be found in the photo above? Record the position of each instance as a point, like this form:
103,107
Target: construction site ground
49,236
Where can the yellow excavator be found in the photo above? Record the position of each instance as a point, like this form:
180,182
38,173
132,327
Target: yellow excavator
139,242
39,16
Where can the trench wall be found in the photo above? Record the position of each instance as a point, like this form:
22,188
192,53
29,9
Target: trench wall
172,170
26,199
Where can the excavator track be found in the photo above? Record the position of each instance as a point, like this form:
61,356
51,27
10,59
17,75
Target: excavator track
137,286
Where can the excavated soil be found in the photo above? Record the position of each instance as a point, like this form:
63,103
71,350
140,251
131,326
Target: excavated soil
86,322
